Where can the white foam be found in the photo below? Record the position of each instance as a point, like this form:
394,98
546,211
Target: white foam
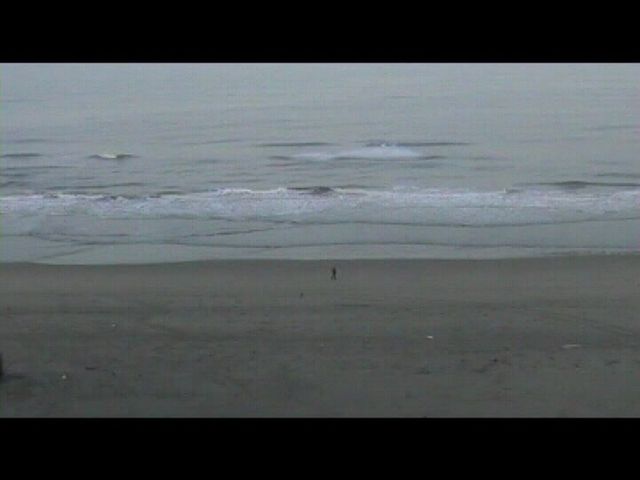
113,156
399,205
382,152
378,152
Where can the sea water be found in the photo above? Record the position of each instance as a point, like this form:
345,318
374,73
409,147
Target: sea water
103,163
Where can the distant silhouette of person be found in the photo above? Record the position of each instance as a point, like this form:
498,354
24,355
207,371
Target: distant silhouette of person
333,273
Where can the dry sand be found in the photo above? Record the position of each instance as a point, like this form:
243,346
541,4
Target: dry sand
529,337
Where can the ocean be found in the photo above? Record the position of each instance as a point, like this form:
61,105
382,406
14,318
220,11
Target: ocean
145,163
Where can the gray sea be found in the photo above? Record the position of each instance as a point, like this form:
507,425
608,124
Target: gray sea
104,163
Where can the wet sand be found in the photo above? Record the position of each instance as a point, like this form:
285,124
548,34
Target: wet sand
553,337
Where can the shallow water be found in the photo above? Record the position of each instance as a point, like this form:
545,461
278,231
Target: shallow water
100,163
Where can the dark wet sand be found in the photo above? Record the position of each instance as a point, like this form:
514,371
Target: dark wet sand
529,337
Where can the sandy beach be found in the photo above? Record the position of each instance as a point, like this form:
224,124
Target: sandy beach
550,337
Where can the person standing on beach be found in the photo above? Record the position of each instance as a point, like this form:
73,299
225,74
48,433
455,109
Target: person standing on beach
333,273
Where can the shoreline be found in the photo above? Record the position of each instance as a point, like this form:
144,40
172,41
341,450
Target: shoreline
542,337
549,256
315,243
131,259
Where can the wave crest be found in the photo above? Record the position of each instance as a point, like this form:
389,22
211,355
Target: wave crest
323,204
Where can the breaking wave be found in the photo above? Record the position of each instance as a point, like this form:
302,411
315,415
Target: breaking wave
370,152
112,156
323,204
